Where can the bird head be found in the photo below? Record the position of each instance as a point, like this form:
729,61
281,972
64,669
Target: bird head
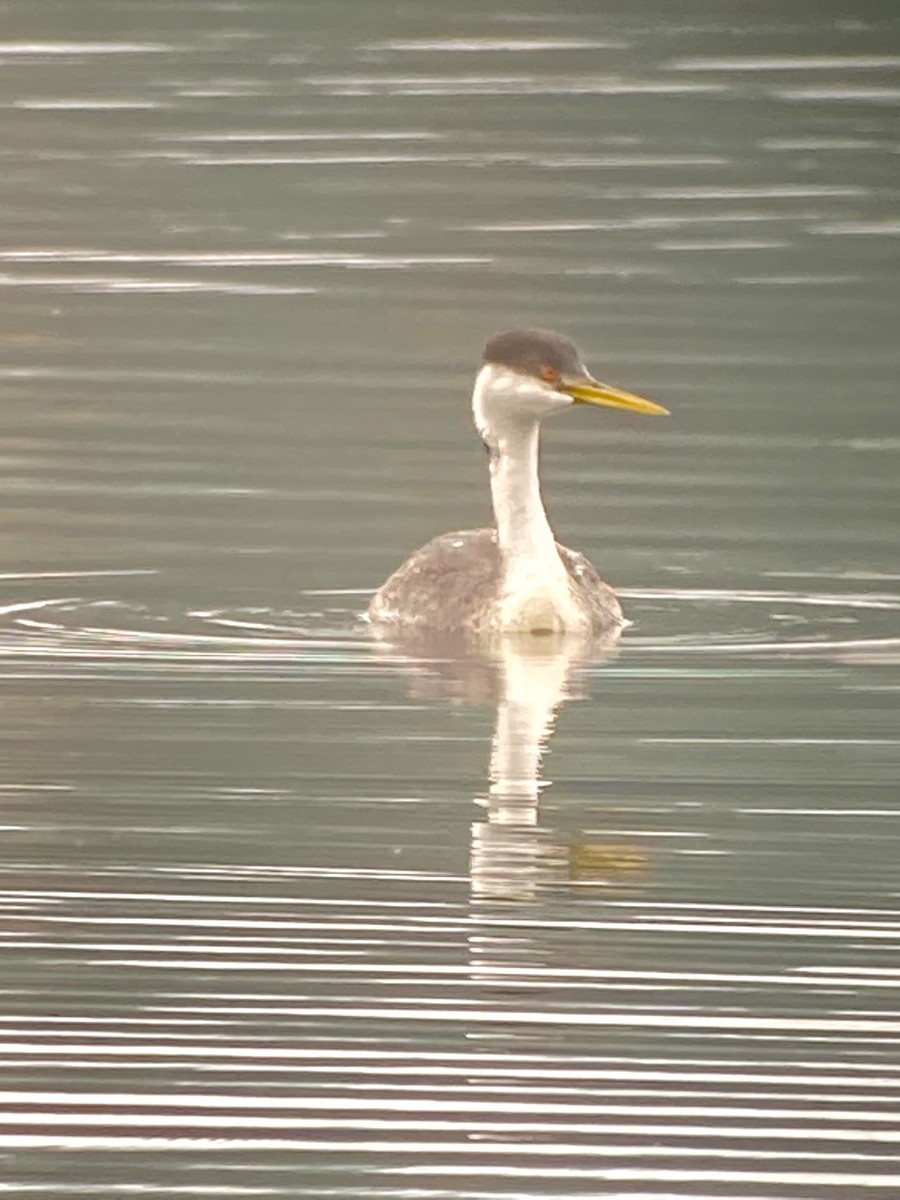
528,374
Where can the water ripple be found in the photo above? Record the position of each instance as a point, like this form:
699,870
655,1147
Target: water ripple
65,629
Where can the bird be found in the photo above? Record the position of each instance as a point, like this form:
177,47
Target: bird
514,578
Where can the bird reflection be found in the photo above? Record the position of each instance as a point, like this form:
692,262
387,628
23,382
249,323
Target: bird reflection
514,854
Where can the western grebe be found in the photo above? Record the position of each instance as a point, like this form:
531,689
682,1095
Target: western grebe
515,578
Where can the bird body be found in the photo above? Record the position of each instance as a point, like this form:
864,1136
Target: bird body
515,578
458,584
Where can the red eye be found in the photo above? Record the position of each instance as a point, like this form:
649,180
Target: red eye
549,374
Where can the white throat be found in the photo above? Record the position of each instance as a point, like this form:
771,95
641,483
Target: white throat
536,591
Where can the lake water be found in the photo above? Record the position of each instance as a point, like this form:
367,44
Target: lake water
287,913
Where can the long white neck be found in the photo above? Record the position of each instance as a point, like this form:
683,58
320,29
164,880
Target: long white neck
524,535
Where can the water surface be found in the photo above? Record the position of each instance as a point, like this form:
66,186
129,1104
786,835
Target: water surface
288,913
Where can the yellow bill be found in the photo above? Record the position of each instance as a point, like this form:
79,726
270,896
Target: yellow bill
590,391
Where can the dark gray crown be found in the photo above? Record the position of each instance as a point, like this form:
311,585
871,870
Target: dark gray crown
528,350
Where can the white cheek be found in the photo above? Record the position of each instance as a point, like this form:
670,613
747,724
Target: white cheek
559,402
538,400
504,395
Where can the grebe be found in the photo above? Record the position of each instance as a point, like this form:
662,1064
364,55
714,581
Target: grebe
515,578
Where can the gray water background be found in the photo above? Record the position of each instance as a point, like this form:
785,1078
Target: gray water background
264,928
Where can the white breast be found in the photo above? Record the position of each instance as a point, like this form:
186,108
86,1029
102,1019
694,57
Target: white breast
541,606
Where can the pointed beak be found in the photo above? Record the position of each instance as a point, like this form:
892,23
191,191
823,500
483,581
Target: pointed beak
585,390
